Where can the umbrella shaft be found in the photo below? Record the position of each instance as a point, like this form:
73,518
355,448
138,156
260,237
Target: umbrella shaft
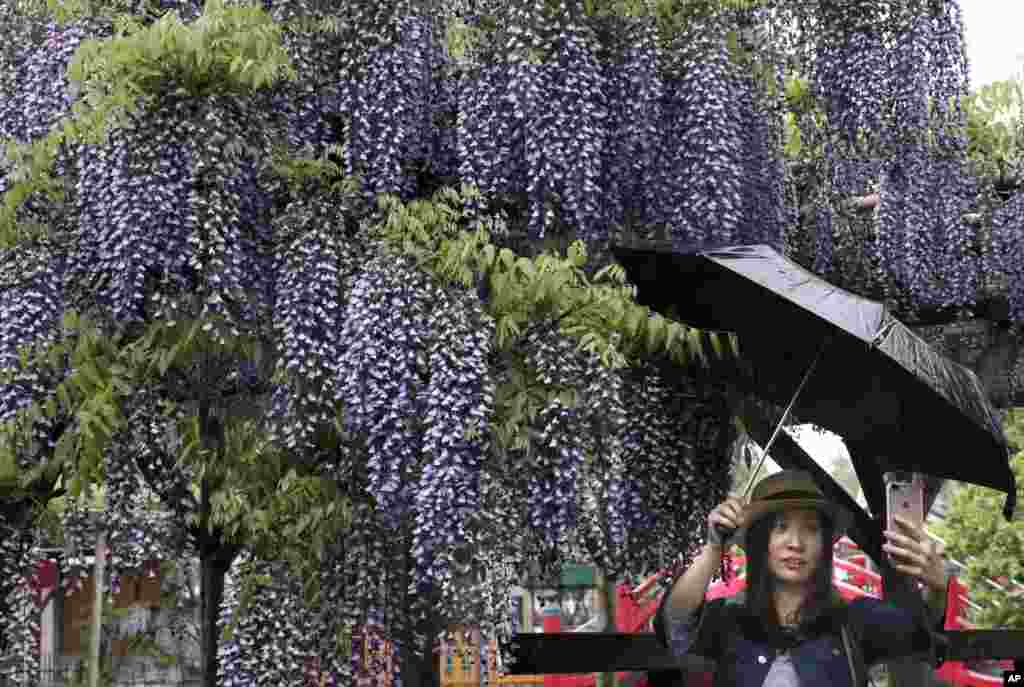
778,427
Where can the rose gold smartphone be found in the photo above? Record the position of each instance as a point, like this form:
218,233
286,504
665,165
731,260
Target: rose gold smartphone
905,498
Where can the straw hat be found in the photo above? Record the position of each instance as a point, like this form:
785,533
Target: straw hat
791,489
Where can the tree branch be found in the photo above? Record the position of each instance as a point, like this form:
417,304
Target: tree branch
868,202
873,200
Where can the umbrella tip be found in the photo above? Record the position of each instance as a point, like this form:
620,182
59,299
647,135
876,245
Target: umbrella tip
1011,504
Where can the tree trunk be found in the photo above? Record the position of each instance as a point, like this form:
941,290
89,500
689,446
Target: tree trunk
213,569
215,553
215,558
418,670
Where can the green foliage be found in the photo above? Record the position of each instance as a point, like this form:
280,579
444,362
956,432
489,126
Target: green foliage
461,38
105,369
527,295
234,49
995,126
800,105
280,510
600,311
977,535
88,394
673,16
229,49
302,174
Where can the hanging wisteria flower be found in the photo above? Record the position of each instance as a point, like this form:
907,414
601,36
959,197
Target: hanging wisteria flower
705,151
1005,257
459,408
316,262
631,184
173,206
379,374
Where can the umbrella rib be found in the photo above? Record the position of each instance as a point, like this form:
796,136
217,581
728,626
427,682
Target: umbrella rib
883,332
782,420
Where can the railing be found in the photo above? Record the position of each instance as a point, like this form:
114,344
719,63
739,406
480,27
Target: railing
72,673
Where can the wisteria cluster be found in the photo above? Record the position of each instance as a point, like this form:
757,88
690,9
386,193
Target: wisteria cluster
390,118
1005,257
41,93
315,261
459,409
382,374
766,214
922,232
853,102
891,77
558,456
172,206
674,453
31,306
273,640
19,623
602,136
37,96
610,517
707,203
635,94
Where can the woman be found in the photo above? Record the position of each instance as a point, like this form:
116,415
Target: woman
786,631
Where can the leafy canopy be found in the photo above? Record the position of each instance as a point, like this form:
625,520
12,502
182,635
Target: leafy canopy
991,548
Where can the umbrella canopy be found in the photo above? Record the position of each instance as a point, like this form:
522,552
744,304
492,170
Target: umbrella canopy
876,384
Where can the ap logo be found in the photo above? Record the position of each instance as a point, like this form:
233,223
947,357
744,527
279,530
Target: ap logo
1012,677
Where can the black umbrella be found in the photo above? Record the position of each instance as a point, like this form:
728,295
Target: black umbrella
874,382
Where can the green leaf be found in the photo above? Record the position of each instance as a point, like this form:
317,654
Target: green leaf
656,333
716,345
734,345
8,465
695,346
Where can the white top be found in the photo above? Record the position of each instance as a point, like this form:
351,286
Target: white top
782,673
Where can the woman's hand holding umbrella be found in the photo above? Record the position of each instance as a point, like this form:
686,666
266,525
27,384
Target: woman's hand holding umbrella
724,520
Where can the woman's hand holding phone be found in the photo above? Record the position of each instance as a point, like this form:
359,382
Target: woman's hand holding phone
914,553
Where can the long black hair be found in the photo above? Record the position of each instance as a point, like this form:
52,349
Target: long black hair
820,608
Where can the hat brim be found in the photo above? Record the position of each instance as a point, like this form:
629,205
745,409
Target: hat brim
752,512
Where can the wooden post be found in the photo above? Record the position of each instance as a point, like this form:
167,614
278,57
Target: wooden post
526,612
97,609
553,624
606,594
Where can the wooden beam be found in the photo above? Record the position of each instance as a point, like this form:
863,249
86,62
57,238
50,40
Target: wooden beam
586,652
568,653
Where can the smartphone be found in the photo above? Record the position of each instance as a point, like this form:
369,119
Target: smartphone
905,498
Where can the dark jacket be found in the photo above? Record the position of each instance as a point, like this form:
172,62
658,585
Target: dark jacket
721,630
